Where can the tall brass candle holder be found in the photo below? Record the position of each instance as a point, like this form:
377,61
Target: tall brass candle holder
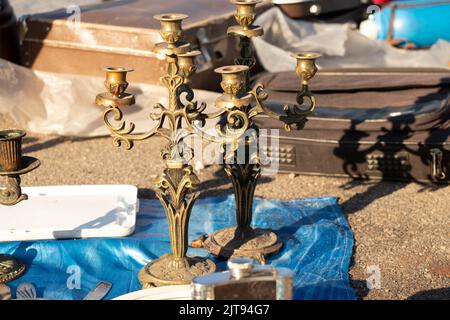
245,16
243,240
12,166
175,187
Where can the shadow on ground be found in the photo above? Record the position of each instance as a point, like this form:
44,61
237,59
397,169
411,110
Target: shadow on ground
435,294
218,186
31,144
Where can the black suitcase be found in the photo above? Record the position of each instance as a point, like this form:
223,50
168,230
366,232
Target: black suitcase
9,36
125,32
314,8
386,124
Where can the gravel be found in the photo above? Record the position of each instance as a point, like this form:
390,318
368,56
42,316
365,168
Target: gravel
401,230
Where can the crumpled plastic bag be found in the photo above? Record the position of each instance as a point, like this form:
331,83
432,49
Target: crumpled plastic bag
63,104
342,46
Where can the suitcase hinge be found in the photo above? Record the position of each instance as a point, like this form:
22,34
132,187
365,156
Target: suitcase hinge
437,169
22,25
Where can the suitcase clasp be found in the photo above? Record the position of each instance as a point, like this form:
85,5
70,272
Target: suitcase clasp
437,169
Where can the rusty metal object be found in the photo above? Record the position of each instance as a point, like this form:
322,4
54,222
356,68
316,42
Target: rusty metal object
10,268
11,149
13,165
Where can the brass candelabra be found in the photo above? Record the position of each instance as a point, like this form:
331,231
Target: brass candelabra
243,240
236,108
12,166
175,187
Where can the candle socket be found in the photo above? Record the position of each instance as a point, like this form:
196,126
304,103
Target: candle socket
245,16
11,149
186,63
116,81
306,66
171,29
116,84
245,12
233,79
172,33
234,85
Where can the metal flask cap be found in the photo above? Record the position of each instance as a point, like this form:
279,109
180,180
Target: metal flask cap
240,267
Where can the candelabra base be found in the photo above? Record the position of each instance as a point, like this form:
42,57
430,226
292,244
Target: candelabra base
258,245
167,271
10,268
12,194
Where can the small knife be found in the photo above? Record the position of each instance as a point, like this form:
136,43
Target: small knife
5,292
99,292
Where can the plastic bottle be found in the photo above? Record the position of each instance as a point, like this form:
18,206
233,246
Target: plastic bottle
418,22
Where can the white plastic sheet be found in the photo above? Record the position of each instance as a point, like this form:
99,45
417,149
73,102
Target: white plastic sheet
63,104
342,46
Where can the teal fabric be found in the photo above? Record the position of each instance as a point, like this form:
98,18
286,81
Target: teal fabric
423,25
317,241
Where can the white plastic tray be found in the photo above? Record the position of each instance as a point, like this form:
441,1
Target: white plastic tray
179,292
62,212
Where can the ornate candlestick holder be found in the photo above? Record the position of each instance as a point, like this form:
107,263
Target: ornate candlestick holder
12,166
243,240
245,16
175,187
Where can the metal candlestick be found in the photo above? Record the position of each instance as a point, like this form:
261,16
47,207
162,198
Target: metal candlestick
243,240
175,187
245,16
12,166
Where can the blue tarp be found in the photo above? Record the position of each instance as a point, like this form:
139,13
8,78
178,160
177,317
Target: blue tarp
317,241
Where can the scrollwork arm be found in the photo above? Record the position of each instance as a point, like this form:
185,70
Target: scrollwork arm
123,133
293,115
